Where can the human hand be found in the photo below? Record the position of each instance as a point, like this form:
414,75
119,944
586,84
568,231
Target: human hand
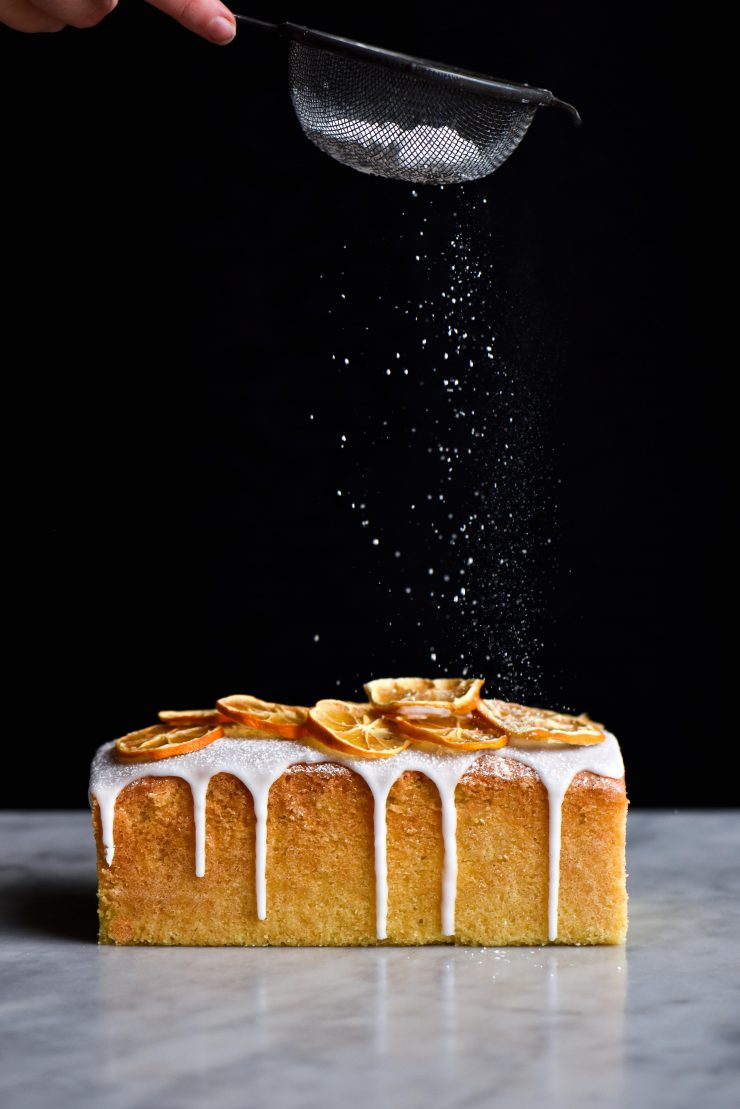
208,18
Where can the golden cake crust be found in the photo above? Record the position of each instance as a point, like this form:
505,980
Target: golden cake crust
321,867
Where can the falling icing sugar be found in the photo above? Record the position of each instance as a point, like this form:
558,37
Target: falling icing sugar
258,764
466,468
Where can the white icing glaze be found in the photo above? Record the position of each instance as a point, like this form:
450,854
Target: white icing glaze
199,789
259,763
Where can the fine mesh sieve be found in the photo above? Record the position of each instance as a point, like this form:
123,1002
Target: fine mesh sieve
402,117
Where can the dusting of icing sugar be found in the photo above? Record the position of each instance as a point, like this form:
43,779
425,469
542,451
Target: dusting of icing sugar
259,763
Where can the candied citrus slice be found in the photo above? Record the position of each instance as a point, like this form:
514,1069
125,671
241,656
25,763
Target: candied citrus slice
355,730
190,718
527,727
457,733
286,721
425,696
160,742
232,730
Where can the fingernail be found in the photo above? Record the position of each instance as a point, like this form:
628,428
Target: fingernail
221,30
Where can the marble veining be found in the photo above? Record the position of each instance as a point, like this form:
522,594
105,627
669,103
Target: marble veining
654,1024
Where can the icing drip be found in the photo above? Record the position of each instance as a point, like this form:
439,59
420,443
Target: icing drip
199,789
380,827
555,802
449,875
260,852
259,763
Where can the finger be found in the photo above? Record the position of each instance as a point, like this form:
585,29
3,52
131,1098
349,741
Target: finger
22,15
77,13
208,18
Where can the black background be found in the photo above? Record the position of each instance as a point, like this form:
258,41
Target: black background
174,253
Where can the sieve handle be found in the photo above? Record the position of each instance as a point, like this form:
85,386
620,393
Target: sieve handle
294,31
261,23
470,82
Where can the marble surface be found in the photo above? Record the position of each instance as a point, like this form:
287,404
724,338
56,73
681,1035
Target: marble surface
654,1024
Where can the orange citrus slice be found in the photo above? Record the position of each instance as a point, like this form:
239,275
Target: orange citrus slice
232,730
457,733
356,730
425,696
159,742
530,727
285,721
190,718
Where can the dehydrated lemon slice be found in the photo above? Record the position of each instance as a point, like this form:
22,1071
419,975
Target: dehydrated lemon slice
190,718
232,730
160,742
540,727
285,721
457,733
425,696
355,729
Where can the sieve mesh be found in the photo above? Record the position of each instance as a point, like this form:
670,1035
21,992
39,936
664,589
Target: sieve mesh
399,123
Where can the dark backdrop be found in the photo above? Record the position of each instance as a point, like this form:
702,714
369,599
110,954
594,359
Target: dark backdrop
176,253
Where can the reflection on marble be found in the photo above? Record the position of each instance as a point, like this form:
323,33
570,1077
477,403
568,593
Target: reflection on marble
654,1024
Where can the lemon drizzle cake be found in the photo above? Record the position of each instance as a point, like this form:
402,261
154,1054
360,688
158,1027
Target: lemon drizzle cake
444,738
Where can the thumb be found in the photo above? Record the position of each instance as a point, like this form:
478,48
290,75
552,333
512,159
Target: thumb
208,18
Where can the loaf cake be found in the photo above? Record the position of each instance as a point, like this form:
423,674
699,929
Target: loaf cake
425,815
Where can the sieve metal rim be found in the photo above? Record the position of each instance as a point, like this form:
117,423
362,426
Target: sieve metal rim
445,75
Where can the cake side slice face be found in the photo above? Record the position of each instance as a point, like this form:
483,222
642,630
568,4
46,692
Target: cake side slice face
593,872
322,857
